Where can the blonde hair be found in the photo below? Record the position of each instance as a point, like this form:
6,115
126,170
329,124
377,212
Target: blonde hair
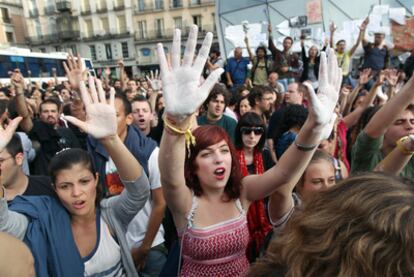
363,226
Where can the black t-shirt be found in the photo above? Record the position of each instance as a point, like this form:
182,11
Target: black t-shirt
40,186
267,162
52,141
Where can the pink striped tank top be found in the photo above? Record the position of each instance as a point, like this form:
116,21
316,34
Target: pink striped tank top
216,250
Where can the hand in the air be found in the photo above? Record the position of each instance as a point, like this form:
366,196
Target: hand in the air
74,71
100,114
7,134
182,91
155,81
322,105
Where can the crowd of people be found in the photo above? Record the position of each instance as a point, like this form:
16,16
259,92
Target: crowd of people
275,164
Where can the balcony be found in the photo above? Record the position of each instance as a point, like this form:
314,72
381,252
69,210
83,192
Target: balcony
54,37
150,7
69,35
103,9
119,6
201,3
7,20
34,12
167,34
63,5
86,11
49,10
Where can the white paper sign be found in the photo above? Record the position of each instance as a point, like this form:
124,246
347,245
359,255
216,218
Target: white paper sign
380,9
398,15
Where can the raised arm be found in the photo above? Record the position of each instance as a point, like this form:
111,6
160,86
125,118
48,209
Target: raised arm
122,75
398,158
181,82
290,167
21,106
361,36
101,123
352,118
156,85
249,50
380,122
11,222
271,44
332,29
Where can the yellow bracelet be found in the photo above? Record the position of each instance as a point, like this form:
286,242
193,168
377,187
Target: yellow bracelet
401,147
189,137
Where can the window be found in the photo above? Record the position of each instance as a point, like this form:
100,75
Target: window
101,5
88,28
5,15
73,49
146,52
37,27
197,20
195,2
159,27
92,50
58,48
108,51
178,22
125,52
141,5
142,29
176,3
42,49
85,6
159,4
105,25
121,24
10,37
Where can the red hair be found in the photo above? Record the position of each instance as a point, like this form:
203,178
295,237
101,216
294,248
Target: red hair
206,136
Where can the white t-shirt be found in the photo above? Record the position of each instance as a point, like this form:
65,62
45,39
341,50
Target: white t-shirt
138,226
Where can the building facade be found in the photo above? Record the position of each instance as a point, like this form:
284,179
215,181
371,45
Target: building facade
109,30
12,24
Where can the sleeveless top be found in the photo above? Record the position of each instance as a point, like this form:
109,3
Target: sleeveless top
216,250
105,259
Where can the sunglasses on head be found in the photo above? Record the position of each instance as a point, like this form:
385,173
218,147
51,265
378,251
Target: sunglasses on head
249,130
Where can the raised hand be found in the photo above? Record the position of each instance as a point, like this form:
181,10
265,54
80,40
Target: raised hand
17,81
182,91
332,27
6,134
107,71
392,76
365,76
74,71
364,24
322,105
100,114
154,81
381,77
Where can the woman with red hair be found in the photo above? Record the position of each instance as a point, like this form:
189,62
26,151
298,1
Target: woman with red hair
199,170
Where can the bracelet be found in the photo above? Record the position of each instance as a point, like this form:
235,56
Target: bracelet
189,137
402,148
304,148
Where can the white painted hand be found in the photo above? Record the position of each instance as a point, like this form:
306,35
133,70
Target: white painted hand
182,92
322,105
155,81
100,115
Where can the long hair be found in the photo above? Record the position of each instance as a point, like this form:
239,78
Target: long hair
361,227
206,136
249,119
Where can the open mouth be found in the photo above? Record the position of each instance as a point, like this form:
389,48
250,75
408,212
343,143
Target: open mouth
78,204
219,173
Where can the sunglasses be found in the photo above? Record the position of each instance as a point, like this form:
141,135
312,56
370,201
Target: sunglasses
249,130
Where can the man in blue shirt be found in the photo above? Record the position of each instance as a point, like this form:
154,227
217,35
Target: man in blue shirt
236,69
